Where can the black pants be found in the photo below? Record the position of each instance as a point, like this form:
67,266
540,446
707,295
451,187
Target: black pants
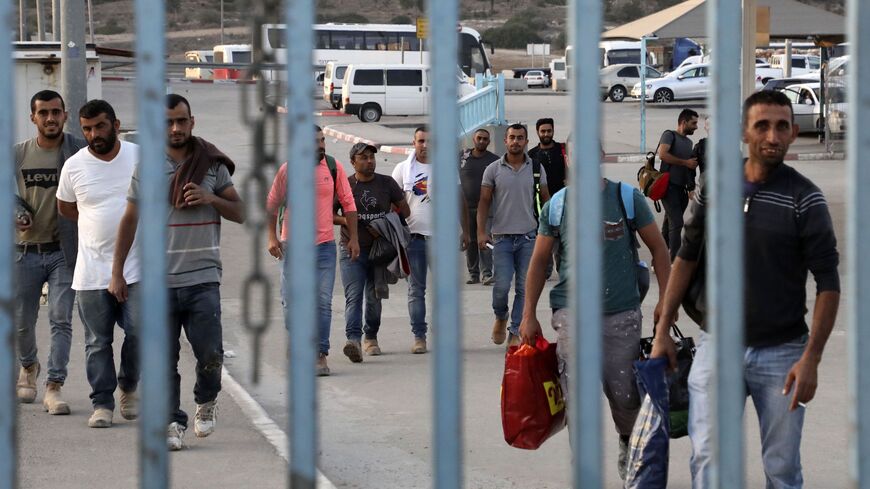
675,202
479,262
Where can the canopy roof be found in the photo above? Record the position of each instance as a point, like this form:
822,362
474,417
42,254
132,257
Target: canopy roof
789,19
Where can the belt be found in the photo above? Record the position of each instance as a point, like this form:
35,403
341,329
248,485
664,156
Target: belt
419,236
39,247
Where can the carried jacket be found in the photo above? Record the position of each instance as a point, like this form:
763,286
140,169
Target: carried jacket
391,228
67,230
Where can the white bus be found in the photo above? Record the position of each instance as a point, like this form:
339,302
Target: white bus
376,44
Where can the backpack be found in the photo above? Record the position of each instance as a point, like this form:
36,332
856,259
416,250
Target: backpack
625,196
653,183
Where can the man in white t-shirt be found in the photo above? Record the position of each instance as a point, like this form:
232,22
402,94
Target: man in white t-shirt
413,176
93,191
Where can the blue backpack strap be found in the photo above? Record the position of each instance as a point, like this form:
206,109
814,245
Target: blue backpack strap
627,192
557,208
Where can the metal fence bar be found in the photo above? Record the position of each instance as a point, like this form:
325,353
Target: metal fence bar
8,356
443,249
300,287
154,341
584,399
725,244
858,226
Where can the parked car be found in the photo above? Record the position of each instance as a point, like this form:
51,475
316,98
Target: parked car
804,99
780,83
615,80
536,78
689,82
333,78
801,64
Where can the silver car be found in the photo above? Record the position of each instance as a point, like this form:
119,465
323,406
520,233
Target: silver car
616,80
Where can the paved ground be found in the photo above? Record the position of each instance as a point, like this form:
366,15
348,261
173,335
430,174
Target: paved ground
376,417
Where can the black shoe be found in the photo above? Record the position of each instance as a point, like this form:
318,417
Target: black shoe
472,280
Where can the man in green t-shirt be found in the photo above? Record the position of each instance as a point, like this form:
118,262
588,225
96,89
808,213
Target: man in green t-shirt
622,316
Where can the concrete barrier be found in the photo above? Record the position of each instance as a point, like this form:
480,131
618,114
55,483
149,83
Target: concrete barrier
515,84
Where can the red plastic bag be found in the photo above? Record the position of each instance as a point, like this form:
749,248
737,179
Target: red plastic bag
532,406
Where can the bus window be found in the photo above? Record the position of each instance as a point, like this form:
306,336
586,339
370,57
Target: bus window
471,56
276,38
375,40
241,56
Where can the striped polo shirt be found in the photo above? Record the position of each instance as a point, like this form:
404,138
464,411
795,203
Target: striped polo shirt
194,233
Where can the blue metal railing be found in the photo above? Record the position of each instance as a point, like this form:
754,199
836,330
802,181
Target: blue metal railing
483,107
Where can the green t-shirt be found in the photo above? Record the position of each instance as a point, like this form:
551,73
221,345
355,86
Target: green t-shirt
620,273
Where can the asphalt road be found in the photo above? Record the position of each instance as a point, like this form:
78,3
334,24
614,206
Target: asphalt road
376,417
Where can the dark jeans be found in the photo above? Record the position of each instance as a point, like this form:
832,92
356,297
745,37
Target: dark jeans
196,309
359,288
675,201
100,311
479,262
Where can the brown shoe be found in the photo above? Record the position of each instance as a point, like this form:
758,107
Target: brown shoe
322,368
129,404
514,340
52,402
353,351
27,383
371,347
419,346
499,331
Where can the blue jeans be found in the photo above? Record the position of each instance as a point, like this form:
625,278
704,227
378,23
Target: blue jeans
417,285
325,274
764,378
32,270
511,256
100,311
359,284
197,310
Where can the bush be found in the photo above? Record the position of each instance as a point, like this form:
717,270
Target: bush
512,36
110,27
412,4
560,41
210,17
343,19
401,19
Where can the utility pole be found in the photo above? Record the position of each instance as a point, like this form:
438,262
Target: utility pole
55,20
750,27
90,20
22,21
40,21
222,21
73,59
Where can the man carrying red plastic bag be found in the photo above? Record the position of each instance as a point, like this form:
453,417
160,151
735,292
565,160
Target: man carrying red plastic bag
624,213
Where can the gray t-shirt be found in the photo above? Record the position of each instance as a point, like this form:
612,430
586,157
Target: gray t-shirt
513,200
681,147
471,170
37,185
194,233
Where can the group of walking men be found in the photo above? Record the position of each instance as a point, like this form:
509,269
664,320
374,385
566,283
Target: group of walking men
76,222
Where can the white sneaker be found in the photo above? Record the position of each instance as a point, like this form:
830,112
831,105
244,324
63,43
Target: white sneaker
205,419
175,436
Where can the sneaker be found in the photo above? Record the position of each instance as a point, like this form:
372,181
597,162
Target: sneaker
52,402
499,331
419,346
472,281
513,340
322,367
622,461
371,347
175,436
129,403
488,280
353,351
102,418
205,419
27,383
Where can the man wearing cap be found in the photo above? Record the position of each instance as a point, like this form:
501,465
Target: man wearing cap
375,196
331,183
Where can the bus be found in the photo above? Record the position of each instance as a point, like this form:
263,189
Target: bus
376,44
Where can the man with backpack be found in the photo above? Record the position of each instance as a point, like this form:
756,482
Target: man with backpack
515,187
331,183
625,214
675,152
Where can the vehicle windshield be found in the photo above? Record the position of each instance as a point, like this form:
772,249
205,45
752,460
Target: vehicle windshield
835,95
623,56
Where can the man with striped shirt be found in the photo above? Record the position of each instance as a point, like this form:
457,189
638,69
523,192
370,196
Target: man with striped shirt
201,193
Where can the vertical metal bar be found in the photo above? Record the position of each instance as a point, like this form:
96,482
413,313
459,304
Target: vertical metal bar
443,251
22,20
90,21
300,287
55,20
40,21
154,340
725,244
8,358
749,23
858,226
73,67
586,295
643,95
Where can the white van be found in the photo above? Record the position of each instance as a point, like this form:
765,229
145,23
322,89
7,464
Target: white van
231,53
370,91
333,80
196,73
801,64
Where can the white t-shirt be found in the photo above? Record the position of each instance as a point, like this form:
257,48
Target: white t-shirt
416,191
99,190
